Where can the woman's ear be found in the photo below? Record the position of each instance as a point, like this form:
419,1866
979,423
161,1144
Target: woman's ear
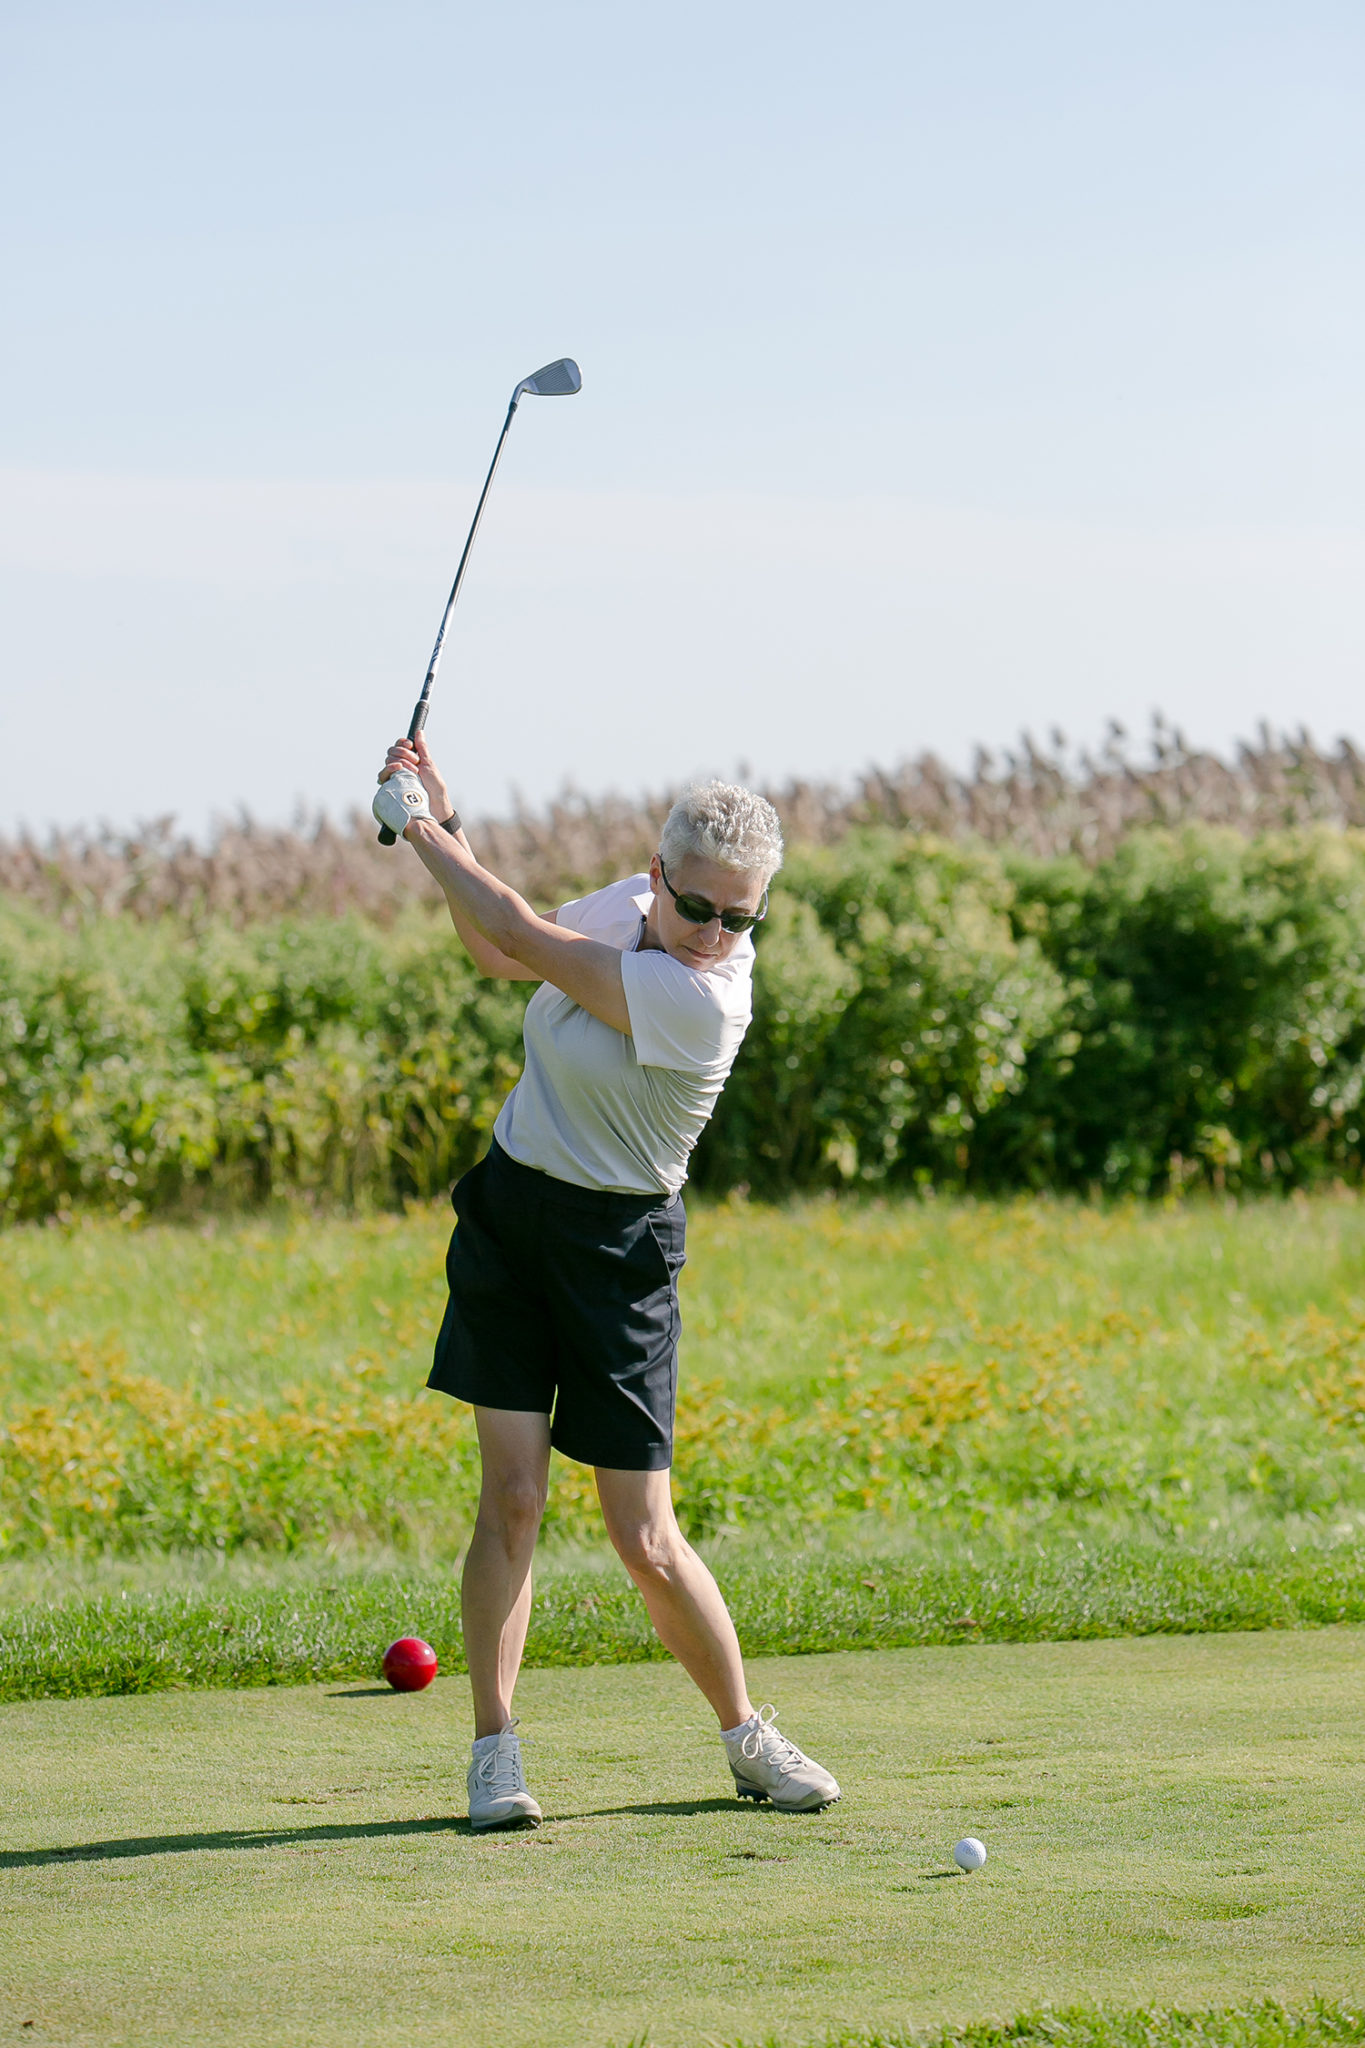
655,873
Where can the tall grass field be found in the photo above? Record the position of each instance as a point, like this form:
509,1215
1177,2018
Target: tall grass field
900,1422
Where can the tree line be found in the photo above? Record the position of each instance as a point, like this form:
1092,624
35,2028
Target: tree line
1188,1009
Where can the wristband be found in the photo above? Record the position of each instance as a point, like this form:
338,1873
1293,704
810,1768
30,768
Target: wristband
452,824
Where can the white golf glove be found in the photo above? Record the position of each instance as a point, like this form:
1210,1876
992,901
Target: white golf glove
399,800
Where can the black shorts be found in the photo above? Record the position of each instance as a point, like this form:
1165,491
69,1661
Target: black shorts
564,1301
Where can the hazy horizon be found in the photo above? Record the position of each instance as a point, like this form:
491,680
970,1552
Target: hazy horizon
944,377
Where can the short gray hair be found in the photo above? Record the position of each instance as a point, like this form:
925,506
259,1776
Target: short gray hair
726,824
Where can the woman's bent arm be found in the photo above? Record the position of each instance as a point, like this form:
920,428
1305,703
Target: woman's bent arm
485,956
534,948
413,753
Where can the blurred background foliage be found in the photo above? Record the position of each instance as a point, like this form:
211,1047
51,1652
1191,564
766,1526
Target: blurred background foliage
1185,1008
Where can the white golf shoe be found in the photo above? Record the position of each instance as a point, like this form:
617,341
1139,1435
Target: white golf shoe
767,1766
498,1797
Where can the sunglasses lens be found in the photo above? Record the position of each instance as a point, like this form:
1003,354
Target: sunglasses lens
696,910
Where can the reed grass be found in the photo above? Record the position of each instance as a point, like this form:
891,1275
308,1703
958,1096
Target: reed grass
1041,798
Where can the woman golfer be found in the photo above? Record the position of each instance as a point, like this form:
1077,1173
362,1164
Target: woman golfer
562,1325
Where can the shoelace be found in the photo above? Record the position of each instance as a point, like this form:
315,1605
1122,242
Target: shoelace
502,1764
767,1738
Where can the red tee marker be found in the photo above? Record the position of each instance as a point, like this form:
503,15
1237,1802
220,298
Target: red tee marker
409,1664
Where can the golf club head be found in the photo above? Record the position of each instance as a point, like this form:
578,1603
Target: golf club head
556,380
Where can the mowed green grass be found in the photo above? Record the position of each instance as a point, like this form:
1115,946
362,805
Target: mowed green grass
246,1307
1175,1821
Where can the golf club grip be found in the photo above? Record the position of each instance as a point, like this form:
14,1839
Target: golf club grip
419,719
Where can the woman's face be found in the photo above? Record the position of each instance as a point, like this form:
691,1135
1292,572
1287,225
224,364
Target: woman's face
700,945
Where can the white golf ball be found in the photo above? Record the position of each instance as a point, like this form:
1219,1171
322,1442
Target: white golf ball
969,1854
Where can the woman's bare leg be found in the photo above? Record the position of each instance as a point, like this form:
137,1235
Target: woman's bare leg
683,1599
495,1592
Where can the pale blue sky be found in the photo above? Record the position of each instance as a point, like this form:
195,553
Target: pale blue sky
946,370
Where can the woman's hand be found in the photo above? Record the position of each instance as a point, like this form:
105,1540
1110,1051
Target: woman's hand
414,754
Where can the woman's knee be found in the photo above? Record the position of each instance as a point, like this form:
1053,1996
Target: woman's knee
511,1505
637,1508
651,1549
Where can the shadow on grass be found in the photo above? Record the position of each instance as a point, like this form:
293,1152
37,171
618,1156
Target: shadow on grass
226,1838
354,1831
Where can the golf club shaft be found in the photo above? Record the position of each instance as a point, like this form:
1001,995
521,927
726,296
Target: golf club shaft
423,705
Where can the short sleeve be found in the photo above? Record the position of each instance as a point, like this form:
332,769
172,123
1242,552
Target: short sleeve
687,1022
612,914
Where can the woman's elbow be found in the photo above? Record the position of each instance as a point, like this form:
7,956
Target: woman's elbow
514,940
490,961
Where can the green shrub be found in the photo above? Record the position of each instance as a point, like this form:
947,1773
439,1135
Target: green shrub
900,1007
1215,1026
141,1064
1192,1008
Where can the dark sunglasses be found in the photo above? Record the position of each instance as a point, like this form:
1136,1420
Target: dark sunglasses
696,909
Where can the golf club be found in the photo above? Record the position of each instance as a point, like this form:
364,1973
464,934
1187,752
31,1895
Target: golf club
556,380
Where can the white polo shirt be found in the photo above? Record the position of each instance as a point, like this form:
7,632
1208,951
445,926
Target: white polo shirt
622,1113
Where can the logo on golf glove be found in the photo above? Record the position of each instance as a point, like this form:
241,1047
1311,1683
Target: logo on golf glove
401,799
